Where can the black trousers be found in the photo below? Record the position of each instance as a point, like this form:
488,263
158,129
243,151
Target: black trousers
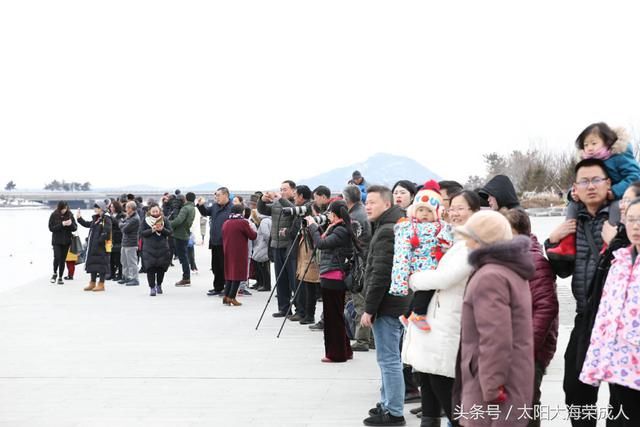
217,265
436,394
98,276
420,302
311,299
59,258
155,277
629,399
336,343
116,265
576,392
182,251
231,289
263,274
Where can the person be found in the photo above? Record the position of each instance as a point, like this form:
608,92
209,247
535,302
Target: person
130,227
71,261
358,180
500,193
61,225
351,194
613,355
116,265
496,351
447,189
613,147
238,200
335,246
271,204
261,255
243,290
433,355
181,226
544,305
236,233
403,193
218,213
420,242
191,247
321,198
594,209
203,228
383,309
156,252
98,246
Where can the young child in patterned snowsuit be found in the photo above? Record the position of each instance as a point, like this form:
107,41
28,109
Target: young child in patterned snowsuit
420,241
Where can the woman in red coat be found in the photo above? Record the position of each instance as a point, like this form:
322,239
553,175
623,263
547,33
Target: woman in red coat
236,233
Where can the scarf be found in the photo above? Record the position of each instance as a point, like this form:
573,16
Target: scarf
152,220
602,154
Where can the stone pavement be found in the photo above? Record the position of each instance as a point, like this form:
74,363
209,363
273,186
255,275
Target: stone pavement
122,358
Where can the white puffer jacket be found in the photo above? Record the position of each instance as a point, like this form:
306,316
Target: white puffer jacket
435,351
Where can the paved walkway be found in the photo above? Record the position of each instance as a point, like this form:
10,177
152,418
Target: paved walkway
122,358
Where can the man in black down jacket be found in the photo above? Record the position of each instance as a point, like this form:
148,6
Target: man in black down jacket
130,226
382,309
591,186
500,193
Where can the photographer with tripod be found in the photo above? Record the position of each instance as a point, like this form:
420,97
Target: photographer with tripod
336,248
272,204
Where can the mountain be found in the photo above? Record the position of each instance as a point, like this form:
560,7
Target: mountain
205,186
380,168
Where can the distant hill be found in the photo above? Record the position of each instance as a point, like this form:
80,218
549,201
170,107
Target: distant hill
380,168
205,186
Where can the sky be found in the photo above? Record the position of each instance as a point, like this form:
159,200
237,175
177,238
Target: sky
248,93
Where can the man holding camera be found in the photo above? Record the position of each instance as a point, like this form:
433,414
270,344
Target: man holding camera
272,204
218,213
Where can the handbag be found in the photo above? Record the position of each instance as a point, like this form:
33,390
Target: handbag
76,245
108,244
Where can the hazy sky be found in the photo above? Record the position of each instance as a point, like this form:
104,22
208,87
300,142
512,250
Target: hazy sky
248,93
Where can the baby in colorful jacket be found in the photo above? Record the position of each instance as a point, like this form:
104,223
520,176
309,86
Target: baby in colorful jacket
421,240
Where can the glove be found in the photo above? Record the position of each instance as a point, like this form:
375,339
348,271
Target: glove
502,396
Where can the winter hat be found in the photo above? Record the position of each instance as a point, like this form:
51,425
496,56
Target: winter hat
486,227
428,196
100,204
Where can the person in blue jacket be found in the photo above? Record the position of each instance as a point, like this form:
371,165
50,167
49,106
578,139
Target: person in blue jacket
358,179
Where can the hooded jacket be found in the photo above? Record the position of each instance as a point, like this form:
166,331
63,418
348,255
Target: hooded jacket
501,187
261,244
497,333
181,224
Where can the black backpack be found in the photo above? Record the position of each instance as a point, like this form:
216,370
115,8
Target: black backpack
354,280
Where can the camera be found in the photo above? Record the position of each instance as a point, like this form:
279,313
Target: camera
319,219
297,210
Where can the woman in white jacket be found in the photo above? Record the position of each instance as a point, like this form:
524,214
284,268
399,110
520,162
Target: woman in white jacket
433,354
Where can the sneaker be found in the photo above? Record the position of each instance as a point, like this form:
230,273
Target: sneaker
245,293
318,326
564,251
416,411
159,289
384,419
420,322
53,278
213,292
278,314
183,283
132,283
264,289
307,321
376,411
60,282
68,278
360,347
295,318
152,292
123,281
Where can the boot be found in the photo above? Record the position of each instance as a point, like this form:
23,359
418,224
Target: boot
565,251
226,301
235,302
429,422
91,286
99,288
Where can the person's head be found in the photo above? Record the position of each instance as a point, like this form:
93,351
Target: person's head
139,200
403,193
519,220
427,204
592,182
99,207
286,189
595,138
151,201
447,188
379,200
485,228
633,192
154,211
131,197
253,201
62,207
222,196
131,207
247,213
191,197
338,212
321,196
238,200
462,205
633,222
115,207
237,209
357,178
351,194
301,195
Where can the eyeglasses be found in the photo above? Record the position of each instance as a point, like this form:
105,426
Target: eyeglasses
584,183
625,201
631,221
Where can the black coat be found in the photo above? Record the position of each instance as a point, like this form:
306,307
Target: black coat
335,247
60,234
501,187
217,216
98,259
117,233
156,253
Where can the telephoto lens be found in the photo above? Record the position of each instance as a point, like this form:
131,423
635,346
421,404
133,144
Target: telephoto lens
297,210
320,219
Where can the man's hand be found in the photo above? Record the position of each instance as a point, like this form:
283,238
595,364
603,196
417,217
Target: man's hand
563,230
200,201
366,320
608,232
78,214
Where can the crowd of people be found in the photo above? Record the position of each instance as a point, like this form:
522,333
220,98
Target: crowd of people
449,286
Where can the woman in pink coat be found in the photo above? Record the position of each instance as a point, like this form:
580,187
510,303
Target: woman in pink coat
236,233
614,351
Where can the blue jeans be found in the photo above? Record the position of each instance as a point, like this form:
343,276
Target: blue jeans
182,250
387,331
286,284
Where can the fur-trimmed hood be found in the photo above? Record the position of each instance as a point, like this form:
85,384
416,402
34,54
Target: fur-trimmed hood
513,254
618,147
